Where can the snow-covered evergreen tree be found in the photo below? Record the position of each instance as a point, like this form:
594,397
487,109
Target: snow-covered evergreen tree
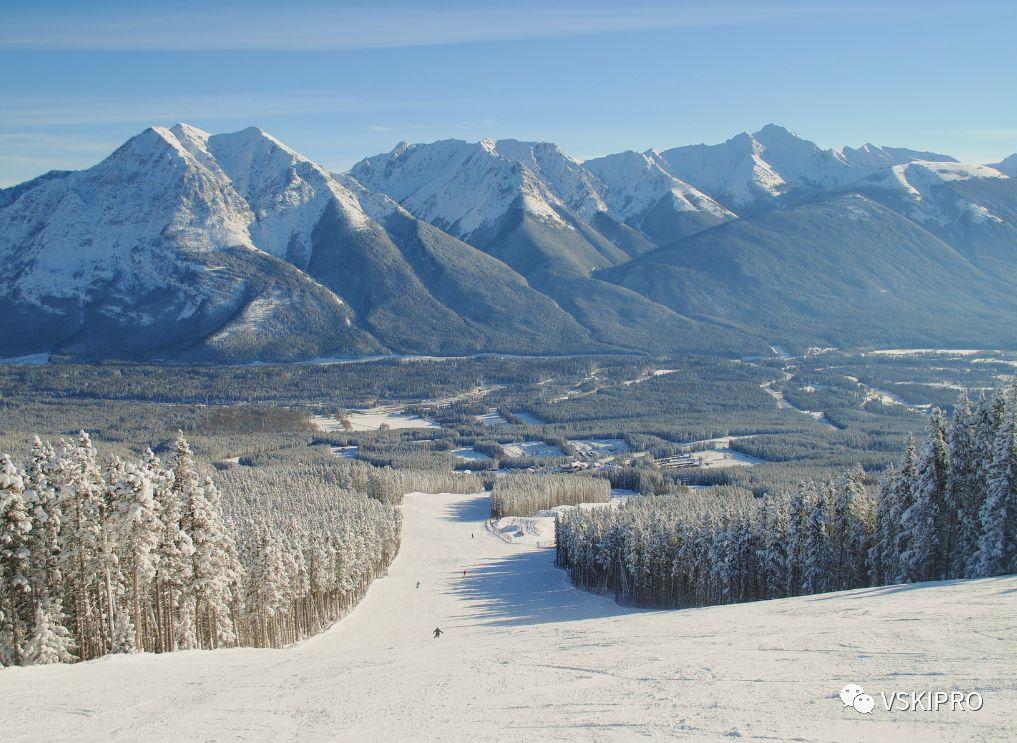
997,547
79,498
50,641
15,572
137,535
881,560
924,519
964,495
816,560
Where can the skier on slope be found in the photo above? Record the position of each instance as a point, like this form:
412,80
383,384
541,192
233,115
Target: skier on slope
437,633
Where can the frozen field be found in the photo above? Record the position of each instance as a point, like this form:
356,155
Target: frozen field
372,420
526,657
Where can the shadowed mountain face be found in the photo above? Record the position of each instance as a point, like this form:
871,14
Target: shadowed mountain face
233,247
844,270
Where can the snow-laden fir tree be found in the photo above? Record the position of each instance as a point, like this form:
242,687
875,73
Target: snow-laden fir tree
15,574
174,551
79,496
964,496
50,641
925,519
816,571
136,530
997,546
881,559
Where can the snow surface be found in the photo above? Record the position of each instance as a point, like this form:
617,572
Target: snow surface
491,418
527,657
470,454
528,419
532,449
372,420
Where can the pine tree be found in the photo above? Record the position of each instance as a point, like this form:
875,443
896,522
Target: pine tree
51,641
174,552
15,573
903,499
796,534
998,543
79,499
924,558
816,558
881,562
137,533
964,495
772,556
846,531
44,539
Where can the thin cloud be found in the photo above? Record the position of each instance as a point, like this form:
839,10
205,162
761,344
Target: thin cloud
130,110
322,28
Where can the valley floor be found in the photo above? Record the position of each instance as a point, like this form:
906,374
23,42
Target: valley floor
525,657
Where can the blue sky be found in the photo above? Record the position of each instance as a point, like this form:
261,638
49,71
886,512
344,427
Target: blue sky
342,80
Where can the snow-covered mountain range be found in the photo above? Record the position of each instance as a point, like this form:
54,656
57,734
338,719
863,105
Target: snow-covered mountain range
231,247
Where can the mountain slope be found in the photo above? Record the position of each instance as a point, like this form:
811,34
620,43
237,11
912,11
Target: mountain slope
843,271
503,198
1007,165
491,201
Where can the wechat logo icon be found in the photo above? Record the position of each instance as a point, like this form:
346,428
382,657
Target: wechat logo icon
854,696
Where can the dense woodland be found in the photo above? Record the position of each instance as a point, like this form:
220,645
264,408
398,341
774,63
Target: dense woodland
131,556
948,509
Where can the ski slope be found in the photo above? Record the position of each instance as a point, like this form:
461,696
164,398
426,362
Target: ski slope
526,657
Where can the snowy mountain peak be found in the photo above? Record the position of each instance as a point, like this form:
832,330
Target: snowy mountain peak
636,182
459,186
870,155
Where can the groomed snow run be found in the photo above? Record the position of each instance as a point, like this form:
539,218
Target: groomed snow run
527,657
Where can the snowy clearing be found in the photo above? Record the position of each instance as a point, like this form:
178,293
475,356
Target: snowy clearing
346,452
372,420
471,454
491,418
725,457
532,449
525,657
527,418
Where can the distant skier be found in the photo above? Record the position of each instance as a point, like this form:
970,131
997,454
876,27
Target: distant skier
464,573
418,584
437,633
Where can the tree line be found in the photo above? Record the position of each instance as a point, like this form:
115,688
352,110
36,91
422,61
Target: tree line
135,556
948,509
